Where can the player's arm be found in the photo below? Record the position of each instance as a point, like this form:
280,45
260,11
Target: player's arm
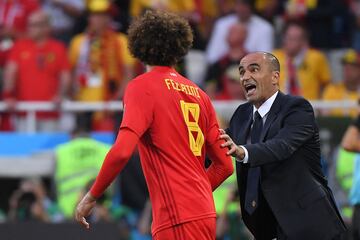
114,162
221,167
135,123
221,164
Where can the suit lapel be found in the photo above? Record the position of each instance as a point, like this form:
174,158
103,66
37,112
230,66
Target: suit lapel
274,110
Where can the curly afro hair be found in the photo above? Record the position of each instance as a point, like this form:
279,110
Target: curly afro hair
160,38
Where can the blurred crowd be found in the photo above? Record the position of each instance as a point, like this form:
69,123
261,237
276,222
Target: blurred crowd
58,50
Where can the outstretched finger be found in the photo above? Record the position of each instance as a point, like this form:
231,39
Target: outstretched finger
227,144
224,136
232,150
85,223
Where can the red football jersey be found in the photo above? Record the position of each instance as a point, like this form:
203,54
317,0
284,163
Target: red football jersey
175,122
39,69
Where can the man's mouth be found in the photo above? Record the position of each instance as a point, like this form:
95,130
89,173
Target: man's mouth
250,88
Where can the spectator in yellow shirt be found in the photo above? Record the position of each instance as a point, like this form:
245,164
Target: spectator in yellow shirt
305,71
349,88
100,60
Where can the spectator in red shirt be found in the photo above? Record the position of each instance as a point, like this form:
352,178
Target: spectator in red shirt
13,17
37,70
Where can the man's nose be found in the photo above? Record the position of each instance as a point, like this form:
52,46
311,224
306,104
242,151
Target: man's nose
246,76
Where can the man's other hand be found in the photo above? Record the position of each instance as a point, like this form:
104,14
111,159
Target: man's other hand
84,209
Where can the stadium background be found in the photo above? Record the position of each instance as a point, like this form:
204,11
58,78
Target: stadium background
45,167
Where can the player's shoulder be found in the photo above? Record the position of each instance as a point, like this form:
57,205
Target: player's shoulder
141,83
139,80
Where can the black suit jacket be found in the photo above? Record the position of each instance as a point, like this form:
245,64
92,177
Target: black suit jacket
292,182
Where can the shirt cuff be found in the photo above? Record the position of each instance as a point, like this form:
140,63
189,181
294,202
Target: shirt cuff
246,158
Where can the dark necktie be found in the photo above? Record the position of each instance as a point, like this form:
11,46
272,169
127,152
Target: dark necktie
253,179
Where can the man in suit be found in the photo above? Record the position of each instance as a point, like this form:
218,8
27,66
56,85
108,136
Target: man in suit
274,137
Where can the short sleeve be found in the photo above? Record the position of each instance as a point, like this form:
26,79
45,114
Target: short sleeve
15,52
138,109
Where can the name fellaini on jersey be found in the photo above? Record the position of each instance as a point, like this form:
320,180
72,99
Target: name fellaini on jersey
180,87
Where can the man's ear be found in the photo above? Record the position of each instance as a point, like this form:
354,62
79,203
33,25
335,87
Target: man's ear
275,77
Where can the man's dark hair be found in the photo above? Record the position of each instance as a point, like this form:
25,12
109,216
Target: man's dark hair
160,38
274,62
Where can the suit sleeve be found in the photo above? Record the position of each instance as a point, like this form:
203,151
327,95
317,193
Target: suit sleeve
298,127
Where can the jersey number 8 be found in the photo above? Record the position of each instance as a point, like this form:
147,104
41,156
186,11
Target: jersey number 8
196,136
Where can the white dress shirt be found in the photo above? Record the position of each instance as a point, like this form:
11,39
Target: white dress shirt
263,110
260,36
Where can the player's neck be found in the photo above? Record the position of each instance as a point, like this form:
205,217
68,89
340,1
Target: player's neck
151,67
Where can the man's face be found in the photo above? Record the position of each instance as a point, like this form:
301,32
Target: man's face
38,26
236,36
258,81
351,73
294,40
98,21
